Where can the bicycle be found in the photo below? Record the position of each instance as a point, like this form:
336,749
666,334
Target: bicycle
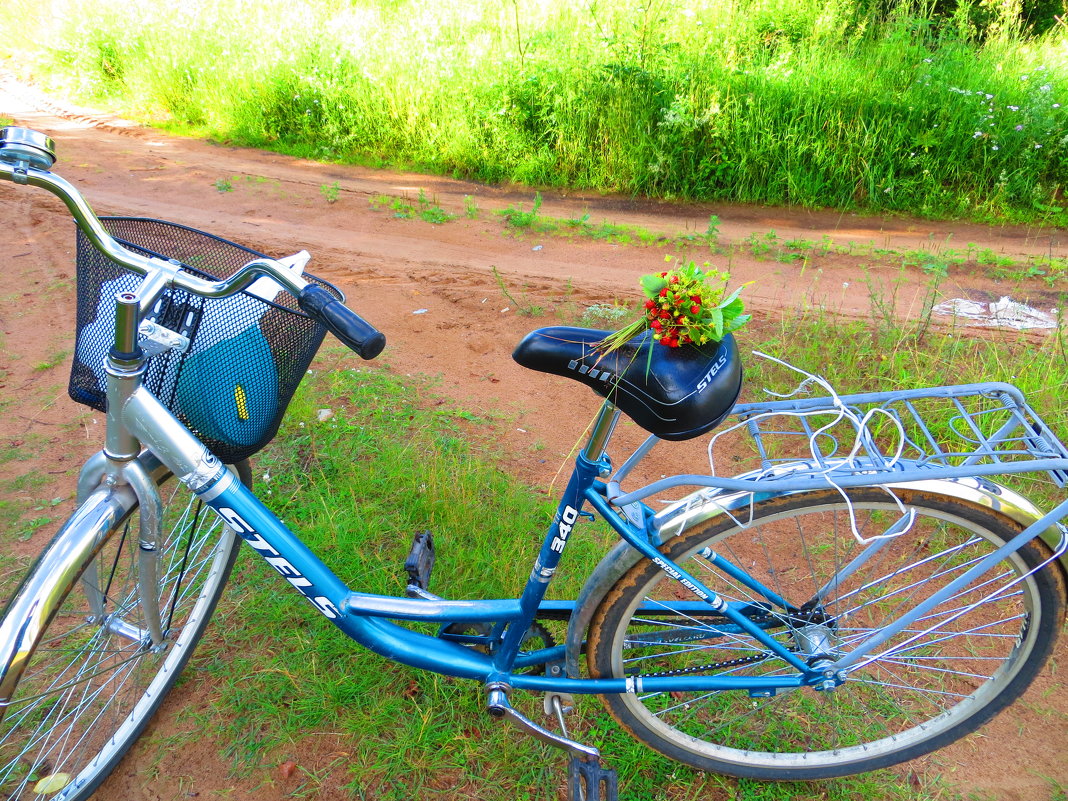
836,609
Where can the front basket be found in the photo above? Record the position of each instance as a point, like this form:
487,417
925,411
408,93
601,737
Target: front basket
246,354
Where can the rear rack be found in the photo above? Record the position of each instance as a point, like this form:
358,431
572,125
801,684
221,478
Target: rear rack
978,425
872,438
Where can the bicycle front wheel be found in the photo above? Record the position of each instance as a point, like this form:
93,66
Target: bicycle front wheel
939,679
95,678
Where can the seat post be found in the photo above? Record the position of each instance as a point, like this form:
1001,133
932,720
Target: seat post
603,426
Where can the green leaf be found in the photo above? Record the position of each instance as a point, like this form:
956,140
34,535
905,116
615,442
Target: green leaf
733,309
717,323
652,284
732,297
738,322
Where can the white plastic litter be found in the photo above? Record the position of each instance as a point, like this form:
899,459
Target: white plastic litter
1004,313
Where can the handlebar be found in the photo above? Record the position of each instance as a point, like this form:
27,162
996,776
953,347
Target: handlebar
26,157
345,324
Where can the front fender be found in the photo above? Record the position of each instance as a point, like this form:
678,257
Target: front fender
51,578
704,507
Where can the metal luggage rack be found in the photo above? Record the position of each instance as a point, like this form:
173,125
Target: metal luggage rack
872,438
983,428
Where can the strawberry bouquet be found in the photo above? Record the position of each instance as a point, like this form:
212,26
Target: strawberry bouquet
684,306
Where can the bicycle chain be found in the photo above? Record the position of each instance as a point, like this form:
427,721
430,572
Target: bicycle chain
732,663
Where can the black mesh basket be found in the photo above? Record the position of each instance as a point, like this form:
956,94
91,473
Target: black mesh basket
246,355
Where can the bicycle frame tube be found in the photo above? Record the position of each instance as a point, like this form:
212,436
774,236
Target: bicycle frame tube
640,541
362,616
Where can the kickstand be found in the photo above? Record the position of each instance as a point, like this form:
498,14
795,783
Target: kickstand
588,781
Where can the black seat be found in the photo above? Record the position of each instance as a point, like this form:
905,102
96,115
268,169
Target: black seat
675,393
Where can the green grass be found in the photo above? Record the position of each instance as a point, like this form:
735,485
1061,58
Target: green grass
518,220
53,360
609,316
423,208
523,304
330,192
932,109
936,260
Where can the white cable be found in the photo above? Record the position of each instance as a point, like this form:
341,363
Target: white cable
847,463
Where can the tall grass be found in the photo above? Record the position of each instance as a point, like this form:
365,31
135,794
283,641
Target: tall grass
846,103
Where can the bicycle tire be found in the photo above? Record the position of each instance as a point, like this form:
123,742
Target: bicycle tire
91,686
940,679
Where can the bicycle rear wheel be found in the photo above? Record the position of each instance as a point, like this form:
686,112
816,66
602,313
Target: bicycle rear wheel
939,679
94,680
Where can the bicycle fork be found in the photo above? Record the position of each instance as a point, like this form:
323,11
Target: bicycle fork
118,465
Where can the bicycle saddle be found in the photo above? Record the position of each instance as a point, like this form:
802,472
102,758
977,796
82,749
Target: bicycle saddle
674,393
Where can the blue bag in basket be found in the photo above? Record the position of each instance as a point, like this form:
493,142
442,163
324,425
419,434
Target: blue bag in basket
229,391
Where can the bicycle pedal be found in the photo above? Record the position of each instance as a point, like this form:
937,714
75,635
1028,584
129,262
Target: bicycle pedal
588,780
419,563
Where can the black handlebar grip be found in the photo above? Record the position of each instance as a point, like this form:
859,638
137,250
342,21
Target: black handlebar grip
344,323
